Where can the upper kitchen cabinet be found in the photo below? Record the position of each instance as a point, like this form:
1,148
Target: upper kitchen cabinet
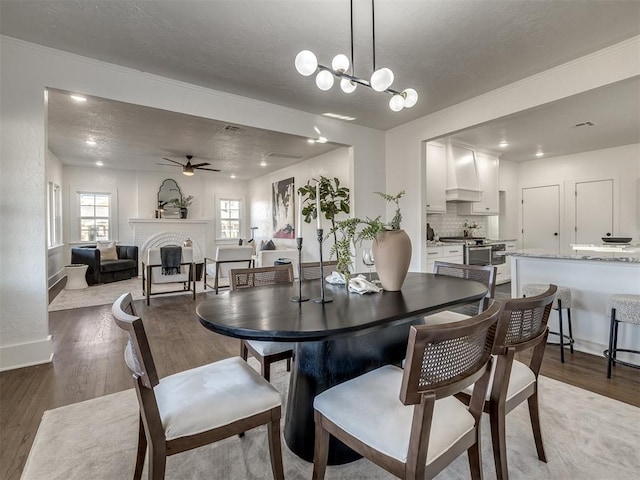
487,168
436,171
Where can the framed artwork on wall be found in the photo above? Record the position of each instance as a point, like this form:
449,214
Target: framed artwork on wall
283,208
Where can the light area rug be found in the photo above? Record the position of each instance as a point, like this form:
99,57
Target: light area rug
586,436
108,292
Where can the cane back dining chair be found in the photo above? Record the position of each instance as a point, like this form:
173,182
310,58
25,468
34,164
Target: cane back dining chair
264,351
512,382
311,270
195,407
418,433
485,274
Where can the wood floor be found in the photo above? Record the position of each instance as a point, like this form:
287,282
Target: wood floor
88,363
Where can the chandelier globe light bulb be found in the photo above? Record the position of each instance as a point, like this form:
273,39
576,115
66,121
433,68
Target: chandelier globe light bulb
324,80
410,97
306,63
347,85
396,103
340,63
381,79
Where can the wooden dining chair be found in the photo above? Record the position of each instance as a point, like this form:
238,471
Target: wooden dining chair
418,433
311,270
485,274
264,351
195,407
513,382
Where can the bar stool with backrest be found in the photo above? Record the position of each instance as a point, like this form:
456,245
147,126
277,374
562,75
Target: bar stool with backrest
512,382
624,308
265,352
419,426
562,301
195,407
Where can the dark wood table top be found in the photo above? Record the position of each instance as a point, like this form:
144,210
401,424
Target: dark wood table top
266,313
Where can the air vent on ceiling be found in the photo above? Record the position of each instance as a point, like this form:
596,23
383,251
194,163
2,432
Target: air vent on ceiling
583,124
232,128
285,155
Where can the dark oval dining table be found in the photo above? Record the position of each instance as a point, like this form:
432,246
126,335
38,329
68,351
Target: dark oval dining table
334,341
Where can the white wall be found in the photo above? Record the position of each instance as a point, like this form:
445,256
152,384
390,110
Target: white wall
56,256
25,71
622,164
337,163
405,154
509,218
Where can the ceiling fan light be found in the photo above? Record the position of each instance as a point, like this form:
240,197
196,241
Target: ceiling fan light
410,97
347,85
306,63
187,170
324,80
381,79
396,103
340,63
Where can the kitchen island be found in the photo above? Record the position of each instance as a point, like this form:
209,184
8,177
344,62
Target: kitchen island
592,279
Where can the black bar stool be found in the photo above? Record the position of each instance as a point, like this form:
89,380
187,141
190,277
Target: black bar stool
624,308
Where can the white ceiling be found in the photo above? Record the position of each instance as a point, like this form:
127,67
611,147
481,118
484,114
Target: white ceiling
448,50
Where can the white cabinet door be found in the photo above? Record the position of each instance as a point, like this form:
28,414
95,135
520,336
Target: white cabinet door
541,219
501,274
594,211
436,178
487,166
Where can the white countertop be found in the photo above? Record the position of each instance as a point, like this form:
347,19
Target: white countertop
609,247
540,254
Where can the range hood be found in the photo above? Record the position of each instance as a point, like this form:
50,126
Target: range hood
462,175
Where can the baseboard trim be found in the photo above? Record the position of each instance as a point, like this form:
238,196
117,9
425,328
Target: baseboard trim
26,354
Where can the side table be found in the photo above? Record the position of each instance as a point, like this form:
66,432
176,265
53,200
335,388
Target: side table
76,276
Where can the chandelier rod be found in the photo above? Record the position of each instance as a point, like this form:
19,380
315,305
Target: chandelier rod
373,33
353,67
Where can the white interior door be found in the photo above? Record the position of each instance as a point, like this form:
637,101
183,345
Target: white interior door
541,218
594,211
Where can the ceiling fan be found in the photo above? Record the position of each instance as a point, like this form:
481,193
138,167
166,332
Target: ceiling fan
188,168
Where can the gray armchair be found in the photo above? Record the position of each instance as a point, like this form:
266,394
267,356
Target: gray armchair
106,271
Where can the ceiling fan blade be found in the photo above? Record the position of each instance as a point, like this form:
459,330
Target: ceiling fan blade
210,169
197,165
168,164
165,158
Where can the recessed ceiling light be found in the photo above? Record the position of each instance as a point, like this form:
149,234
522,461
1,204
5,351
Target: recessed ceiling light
233,175
539,154
91,142
339,117
263,163
99,163
79,98
504,144
311,140
321,140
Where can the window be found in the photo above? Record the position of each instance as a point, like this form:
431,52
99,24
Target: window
230,218
54,215
95,210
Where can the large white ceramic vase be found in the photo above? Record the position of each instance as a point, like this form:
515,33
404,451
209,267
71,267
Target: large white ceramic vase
392,253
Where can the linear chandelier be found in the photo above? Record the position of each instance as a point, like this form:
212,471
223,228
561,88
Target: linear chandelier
307,64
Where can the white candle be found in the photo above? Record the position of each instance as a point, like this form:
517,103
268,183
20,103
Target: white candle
318,205
299,225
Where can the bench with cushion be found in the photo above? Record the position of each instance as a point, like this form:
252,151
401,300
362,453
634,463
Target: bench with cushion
102,270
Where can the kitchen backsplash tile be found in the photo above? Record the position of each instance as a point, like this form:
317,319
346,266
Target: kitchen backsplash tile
451,225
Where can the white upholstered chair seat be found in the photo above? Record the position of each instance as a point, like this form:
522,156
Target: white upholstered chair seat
270,348
369,408
444,317
211,396
521,377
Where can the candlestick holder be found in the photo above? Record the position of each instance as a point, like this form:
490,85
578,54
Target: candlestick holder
322,298
299,298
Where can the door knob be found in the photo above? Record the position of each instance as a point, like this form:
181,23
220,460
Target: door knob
608,234
556,234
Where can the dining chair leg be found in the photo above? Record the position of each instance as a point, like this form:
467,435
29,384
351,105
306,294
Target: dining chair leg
244,351
266,369
534,415
142,451
288,364
475,457
320,449
498,438
275,449
157,461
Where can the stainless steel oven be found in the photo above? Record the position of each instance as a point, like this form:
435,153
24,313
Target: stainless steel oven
497,253
477,254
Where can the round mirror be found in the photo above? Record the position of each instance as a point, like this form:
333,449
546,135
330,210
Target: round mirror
169,191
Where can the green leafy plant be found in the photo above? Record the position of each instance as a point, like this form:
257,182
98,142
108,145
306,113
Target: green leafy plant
334,200
182,202
374,227
344,247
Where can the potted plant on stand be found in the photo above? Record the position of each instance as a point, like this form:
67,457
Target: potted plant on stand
391,246
183,203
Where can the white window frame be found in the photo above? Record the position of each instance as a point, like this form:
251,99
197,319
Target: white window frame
109,217
241,220
54,215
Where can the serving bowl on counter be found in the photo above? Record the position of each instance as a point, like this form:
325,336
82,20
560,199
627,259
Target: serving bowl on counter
616,239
